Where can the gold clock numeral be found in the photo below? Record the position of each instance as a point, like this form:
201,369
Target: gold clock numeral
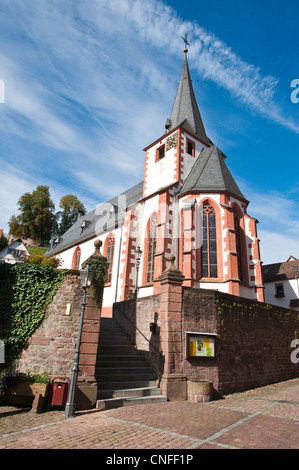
172,141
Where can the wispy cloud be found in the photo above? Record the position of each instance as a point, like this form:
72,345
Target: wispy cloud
215,60
278,226
89,84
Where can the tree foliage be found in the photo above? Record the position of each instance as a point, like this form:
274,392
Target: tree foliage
37,219
36,216
72,208
3,242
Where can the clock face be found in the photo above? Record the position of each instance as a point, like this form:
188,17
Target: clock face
172,141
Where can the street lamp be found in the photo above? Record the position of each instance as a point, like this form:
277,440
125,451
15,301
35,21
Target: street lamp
138,258
86,276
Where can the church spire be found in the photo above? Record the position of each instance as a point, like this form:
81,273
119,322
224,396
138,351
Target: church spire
185,110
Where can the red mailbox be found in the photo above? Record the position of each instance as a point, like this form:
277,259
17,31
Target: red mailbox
59,391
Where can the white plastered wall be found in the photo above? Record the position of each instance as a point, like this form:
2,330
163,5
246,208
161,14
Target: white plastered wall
161,173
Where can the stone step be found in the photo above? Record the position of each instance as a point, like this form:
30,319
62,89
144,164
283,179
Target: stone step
116,371
110,403
104,345
125,384
129,392
114,339
105,364
123,374
124,377
117,350
107,358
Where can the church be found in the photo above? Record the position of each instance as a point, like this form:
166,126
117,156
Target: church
188,205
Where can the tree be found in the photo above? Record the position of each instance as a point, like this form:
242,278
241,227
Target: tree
3,242
71,209
36,216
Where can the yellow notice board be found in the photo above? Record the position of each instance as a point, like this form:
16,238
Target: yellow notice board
201,346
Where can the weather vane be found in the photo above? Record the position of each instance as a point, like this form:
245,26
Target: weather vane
186,42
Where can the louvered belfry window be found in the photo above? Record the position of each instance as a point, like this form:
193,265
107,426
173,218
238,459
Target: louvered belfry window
152,248
209,242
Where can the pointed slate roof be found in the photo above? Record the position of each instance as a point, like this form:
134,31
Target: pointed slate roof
185,110
210,173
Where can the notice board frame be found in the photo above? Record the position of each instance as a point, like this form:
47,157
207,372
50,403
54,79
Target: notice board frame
201,335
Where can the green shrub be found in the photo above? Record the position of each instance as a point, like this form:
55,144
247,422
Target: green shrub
43,261
12,377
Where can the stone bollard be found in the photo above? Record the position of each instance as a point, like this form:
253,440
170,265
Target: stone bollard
201,391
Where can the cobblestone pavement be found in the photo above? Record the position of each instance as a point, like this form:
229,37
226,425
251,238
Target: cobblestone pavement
264,418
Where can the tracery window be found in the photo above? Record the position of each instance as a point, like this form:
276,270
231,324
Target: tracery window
76,258
209,242
152,240
238,243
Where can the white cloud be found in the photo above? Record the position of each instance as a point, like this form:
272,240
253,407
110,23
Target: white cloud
278,225
90,83
13,183
277,247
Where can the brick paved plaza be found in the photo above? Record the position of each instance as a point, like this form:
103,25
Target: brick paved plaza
264,418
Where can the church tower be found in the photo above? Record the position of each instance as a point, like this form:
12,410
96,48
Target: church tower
169,159
199,211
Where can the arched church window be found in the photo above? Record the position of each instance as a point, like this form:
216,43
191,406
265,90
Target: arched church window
109,255
209,242
76,258
152,239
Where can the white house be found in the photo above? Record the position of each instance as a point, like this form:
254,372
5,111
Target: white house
14,253
281,281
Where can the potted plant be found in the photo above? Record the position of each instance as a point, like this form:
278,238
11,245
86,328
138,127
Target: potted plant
24,389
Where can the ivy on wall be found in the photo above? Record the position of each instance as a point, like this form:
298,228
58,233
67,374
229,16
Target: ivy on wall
99,266
242,311
25,292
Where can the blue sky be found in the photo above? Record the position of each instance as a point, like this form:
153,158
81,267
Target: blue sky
89,84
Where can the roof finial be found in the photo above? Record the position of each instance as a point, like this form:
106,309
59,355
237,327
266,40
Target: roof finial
186,42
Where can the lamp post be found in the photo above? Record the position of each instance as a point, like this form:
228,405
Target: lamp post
138,258
86,276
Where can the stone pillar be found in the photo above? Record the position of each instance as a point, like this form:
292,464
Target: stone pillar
87,389
173,381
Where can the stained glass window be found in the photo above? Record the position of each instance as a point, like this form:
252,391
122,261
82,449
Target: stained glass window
238,243
209,242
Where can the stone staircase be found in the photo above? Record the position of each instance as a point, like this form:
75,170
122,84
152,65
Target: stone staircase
124,376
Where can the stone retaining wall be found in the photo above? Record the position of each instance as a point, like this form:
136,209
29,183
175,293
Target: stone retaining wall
253,339
51,348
